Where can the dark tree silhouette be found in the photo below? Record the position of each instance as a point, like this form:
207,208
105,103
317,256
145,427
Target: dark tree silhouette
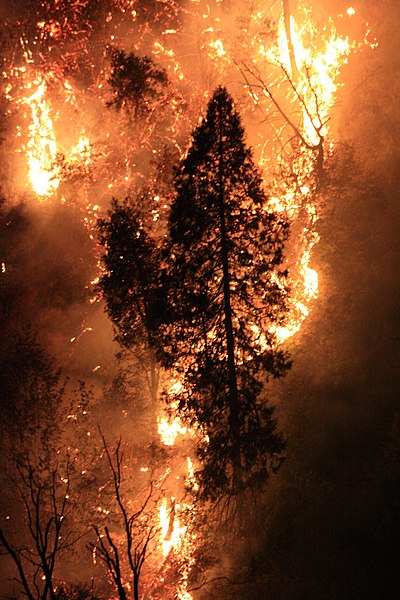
136,83
46,500
124,546
131,286
45,455
226,293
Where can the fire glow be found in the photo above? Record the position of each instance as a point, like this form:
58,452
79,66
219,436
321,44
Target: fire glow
318,57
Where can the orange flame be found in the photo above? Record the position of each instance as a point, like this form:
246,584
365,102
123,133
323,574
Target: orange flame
42,146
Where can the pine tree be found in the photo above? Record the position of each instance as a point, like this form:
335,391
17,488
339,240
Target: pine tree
226,293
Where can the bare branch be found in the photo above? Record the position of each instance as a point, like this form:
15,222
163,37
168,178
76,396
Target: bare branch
137,533
15,555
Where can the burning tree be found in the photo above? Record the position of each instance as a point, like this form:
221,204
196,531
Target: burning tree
226,294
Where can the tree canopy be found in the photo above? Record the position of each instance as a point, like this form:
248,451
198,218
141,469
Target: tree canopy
136,82
226,293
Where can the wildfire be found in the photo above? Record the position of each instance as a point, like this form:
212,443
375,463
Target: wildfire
82,150
313,68
174,537
307,80
170,427
309,61
169,430
171,513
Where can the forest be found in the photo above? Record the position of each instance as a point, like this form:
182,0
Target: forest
199,248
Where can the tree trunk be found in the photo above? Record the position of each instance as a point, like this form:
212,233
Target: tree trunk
233,416
292,56
121,591
154,380
136,587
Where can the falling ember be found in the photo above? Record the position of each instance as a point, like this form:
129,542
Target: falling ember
42,146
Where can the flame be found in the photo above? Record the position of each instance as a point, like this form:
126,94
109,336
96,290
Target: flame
218,48
318,56
171,529
174,537
318,64
28,88
42,146
82,151
169,430
309,78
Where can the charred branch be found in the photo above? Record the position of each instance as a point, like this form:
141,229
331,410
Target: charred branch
315,118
